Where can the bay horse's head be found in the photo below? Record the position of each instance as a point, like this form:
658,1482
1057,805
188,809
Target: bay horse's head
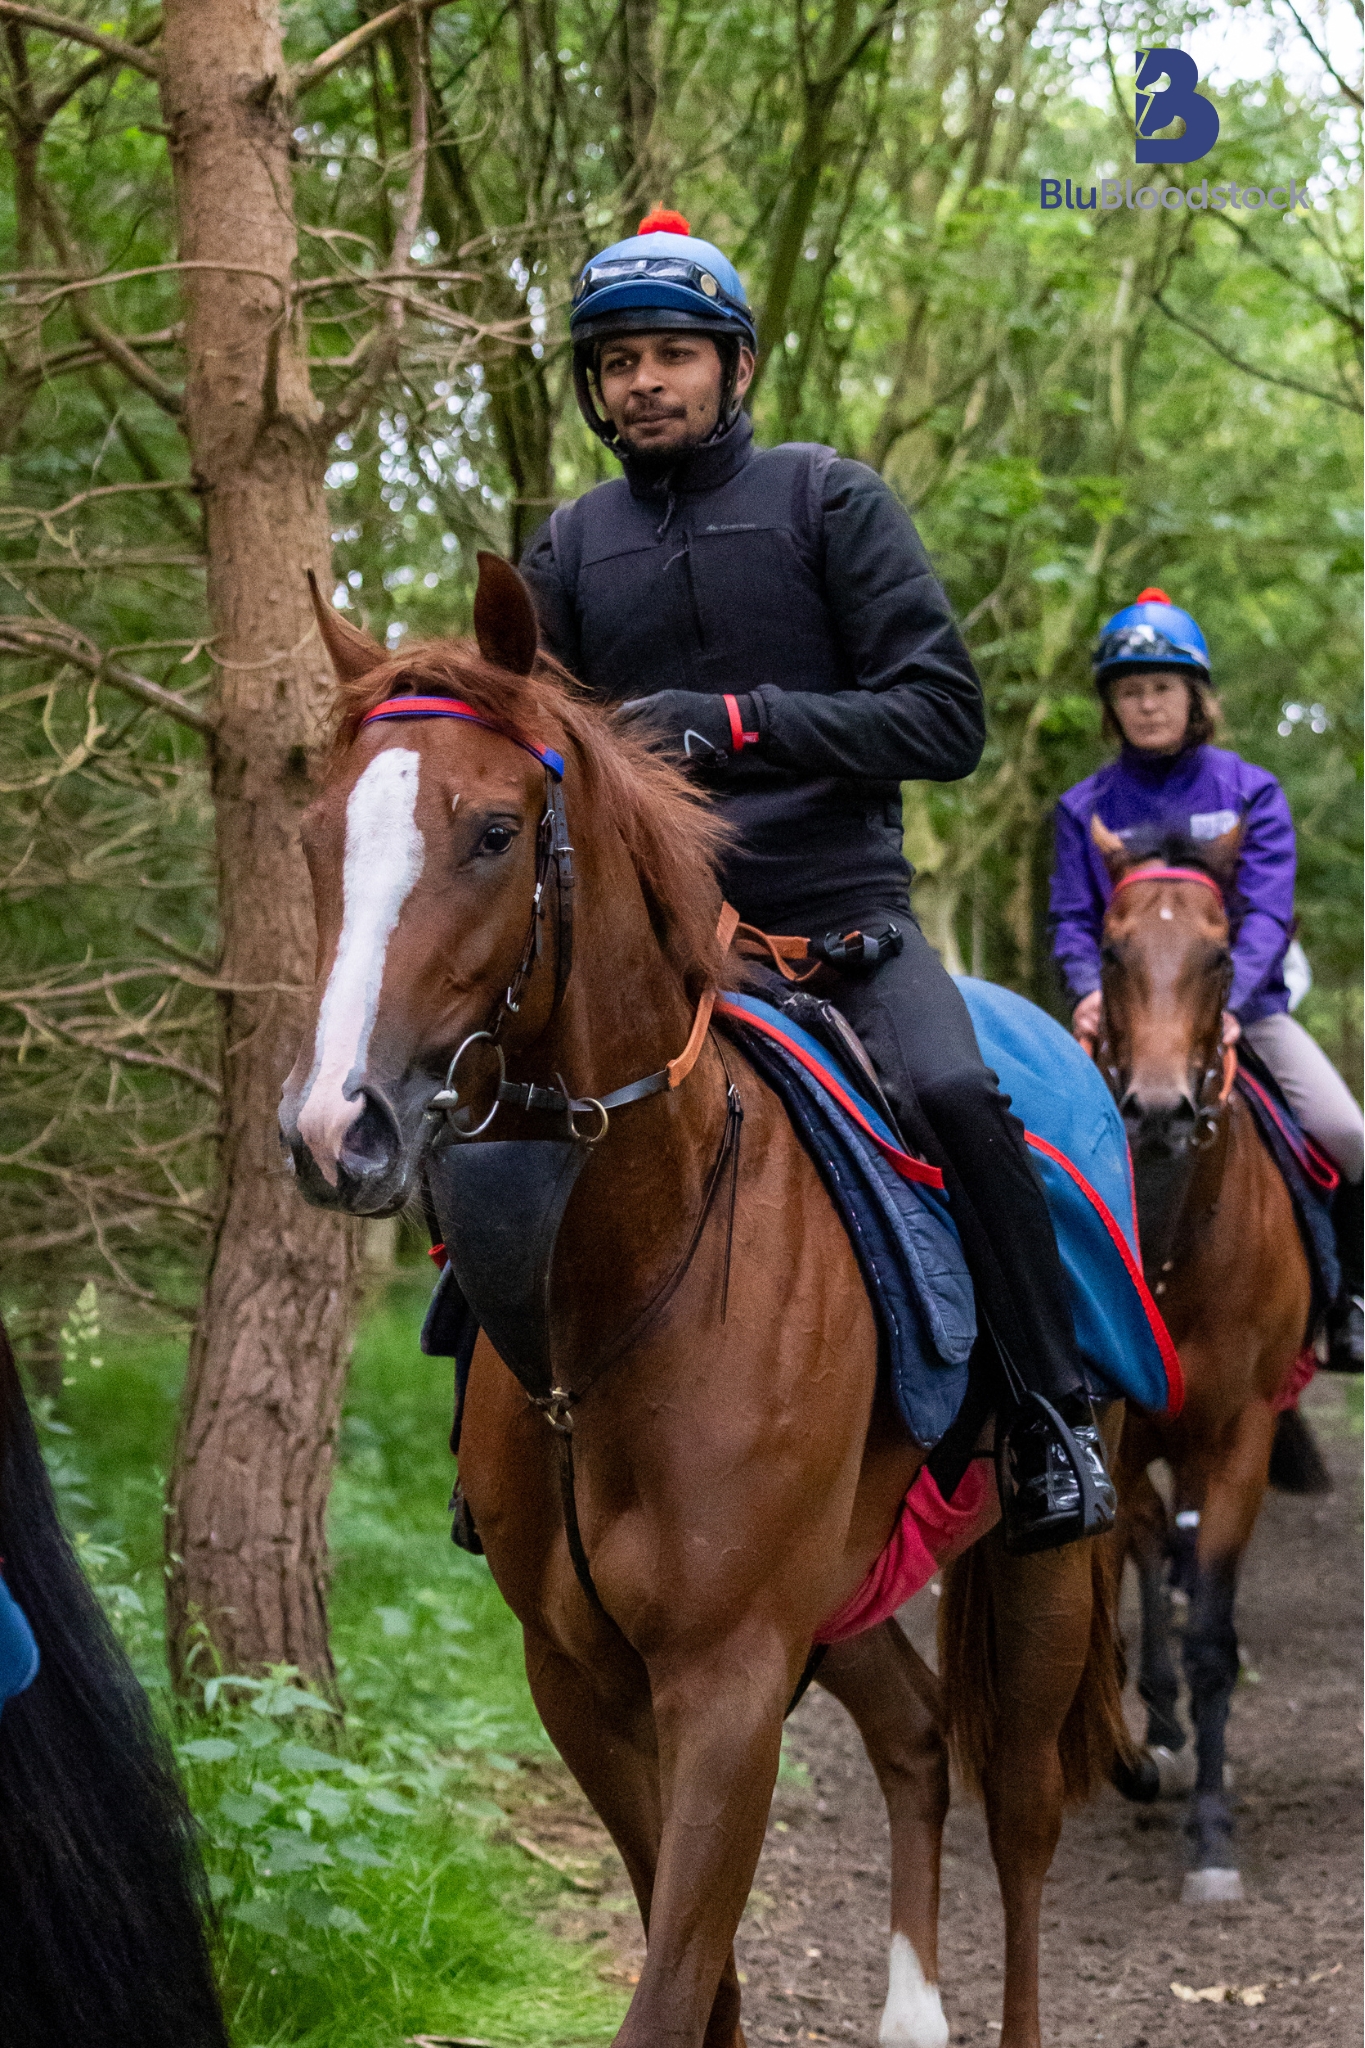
1166,968
426,849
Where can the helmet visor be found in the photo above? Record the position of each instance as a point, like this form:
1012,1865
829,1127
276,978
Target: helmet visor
1145,644
653,270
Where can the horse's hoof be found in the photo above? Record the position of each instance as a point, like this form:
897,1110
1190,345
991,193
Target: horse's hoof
1212,1888
1138,1780
1176,1770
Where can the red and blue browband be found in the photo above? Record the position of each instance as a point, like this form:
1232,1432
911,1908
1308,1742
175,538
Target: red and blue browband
455,707
1161,874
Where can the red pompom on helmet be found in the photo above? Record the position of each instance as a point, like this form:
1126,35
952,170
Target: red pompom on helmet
661,220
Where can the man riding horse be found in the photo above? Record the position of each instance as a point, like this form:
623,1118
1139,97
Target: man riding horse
771,617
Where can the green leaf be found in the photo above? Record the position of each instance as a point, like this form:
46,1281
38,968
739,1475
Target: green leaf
209,1749
301,1756
290,1850
328,1800
360,1850
395,1621
268,1912
244,1809
389,1802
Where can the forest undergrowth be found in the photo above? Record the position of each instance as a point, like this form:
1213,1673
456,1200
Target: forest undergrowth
355,1854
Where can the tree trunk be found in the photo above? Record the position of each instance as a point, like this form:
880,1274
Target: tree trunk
267,1364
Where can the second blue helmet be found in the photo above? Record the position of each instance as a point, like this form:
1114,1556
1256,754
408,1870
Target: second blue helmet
1152,633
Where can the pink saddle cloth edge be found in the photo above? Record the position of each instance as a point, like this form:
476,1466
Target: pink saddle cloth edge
929,1532
1297,1378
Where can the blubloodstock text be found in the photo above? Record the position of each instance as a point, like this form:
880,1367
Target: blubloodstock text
1116,192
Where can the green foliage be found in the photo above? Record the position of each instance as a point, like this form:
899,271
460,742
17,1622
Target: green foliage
1072,404
352,1854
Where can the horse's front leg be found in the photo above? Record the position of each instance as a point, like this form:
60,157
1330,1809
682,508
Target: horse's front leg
718,1709
893,1698
1232,1500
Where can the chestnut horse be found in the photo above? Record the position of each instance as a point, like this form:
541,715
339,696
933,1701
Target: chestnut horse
1222,1253
737,1465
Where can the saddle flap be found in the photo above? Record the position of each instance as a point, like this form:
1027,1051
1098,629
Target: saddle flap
500,1205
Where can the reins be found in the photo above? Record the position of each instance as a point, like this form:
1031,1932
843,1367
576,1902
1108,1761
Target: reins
554,855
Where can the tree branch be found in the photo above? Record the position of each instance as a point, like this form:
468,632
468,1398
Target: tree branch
311,74
77,32
1251,369
1352,92
34,641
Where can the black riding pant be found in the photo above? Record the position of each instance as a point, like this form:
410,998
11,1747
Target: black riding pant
911,1017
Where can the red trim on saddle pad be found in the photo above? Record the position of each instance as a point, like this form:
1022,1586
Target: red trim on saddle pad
908,1168
1170,1357
1311,1158
1160,874
439,1253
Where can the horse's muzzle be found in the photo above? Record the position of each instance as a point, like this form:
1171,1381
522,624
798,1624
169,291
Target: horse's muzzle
1159,1130
375,1168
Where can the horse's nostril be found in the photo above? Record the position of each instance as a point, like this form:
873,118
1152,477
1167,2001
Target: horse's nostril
372,1143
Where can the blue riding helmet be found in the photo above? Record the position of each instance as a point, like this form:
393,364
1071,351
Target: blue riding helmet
1153,633
659,278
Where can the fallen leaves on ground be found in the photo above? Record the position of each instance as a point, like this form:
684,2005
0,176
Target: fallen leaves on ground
1220,1994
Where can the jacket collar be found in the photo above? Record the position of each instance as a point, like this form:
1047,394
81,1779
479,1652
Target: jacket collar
1158,769
700,469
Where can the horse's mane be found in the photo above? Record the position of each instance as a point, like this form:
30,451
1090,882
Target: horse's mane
672,833
1171,847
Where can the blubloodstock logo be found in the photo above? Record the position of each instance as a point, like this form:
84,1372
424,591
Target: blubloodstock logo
1156,105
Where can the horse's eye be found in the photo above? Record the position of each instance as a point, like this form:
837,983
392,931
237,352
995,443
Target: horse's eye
497,839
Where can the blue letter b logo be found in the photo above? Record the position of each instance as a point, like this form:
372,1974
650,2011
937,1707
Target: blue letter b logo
1155,109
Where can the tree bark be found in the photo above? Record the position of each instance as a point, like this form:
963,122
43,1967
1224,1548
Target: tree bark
254,1457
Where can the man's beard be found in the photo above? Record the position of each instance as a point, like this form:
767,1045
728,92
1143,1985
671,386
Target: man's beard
653,464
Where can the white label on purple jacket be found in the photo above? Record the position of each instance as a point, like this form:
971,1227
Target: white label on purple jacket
1212,824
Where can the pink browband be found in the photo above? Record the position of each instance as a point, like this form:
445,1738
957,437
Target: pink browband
1158,874
455,707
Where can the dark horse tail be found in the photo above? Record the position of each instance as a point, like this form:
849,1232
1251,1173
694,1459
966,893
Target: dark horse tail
102,1894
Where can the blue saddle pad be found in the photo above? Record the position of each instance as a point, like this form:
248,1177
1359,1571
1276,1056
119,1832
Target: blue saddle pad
1080,1148
902,1230
1310,1177
18,1650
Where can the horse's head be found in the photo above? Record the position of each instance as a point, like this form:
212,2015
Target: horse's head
1166,970
422,849
437,891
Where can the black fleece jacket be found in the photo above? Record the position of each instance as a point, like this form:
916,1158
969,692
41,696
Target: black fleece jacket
794,580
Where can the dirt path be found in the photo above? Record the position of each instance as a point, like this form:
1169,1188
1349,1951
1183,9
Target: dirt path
1115,1937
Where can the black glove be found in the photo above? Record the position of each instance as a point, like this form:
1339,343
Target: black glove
693,726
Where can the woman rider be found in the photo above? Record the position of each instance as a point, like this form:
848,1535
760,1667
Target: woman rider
796,648
1152,673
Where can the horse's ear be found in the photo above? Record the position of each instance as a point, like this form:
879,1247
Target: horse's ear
353,654
504,617
1221,854
1111,848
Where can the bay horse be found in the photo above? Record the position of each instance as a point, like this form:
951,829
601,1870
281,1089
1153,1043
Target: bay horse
1221,1251
736,1465
102,1894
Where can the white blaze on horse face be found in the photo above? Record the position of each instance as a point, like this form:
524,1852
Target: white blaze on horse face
913,2017
384,857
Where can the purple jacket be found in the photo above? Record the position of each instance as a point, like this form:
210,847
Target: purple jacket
1203,793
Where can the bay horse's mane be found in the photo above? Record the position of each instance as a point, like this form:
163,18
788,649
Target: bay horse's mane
1172,848
671,831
